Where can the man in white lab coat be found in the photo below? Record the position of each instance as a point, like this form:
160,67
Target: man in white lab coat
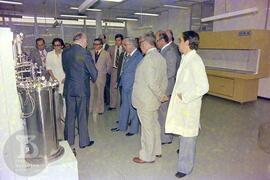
183,117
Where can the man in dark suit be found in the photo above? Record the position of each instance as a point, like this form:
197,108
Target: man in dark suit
79,67
103,37
127,111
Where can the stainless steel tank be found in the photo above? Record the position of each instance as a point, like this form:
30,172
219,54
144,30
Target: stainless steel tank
38,105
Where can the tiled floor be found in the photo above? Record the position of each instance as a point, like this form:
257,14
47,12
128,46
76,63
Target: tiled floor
227,147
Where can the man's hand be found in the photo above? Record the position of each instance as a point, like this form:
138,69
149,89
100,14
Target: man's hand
179,95
164,98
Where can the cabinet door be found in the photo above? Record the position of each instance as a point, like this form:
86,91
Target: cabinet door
221,85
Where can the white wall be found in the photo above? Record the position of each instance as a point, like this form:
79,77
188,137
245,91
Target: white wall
175,19
252,21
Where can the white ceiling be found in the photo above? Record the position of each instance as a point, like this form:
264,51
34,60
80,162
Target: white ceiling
110,10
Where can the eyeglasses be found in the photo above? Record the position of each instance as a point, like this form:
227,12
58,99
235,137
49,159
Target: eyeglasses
57,45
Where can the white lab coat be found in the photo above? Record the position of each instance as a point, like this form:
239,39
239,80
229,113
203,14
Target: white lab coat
183,117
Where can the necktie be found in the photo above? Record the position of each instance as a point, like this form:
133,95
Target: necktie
96,56
117,57
43,57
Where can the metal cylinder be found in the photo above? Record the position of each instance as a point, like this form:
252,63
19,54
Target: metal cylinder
38,105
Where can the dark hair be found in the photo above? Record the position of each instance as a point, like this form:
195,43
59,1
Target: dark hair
40,39
119,36
193,38
59,40
98,39
104,36
163,35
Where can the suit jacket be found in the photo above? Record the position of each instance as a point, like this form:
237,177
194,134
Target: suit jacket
103,64
183,117
111,50
128,71
150,81
172,57
36,59
79,67
175,46
121,57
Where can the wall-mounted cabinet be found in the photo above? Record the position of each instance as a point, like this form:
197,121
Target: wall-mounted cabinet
235,61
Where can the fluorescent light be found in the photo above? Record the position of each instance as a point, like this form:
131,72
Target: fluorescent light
39,18
11,2
127,19
89,9
86,4
230,14
146,14
195,18
177,7
113,0
72,16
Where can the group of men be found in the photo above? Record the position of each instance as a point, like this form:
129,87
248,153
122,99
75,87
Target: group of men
159,90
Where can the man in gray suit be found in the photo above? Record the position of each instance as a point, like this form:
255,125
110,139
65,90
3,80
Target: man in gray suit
172,56
175,46
127,112
149,90
79,68
38,57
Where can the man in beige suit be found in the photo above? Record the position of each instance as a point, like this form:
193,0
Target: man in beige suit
148,92
103,63
115,52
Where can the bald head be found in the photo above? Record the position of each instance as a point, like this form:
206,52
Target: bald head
170,35
81,39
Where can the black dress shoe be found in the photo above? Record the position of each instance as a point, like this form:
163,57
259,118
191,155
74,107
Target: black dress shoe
159,156
177,151
110,108
115,129
90,144
100,113
166,143
74,152
129,134
180,174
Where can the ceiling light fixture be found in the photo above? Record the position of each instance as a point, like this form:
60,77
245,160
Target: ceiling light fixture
177,7
11,2
89,9
230,14
146,14
127,19
72,16
41,18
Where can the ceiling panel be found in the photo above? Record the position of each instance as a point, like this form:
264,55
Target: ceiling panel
110,9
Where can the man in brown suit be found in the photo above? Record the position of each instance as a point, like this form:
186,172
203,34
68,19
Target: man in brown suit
115,52
103,64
